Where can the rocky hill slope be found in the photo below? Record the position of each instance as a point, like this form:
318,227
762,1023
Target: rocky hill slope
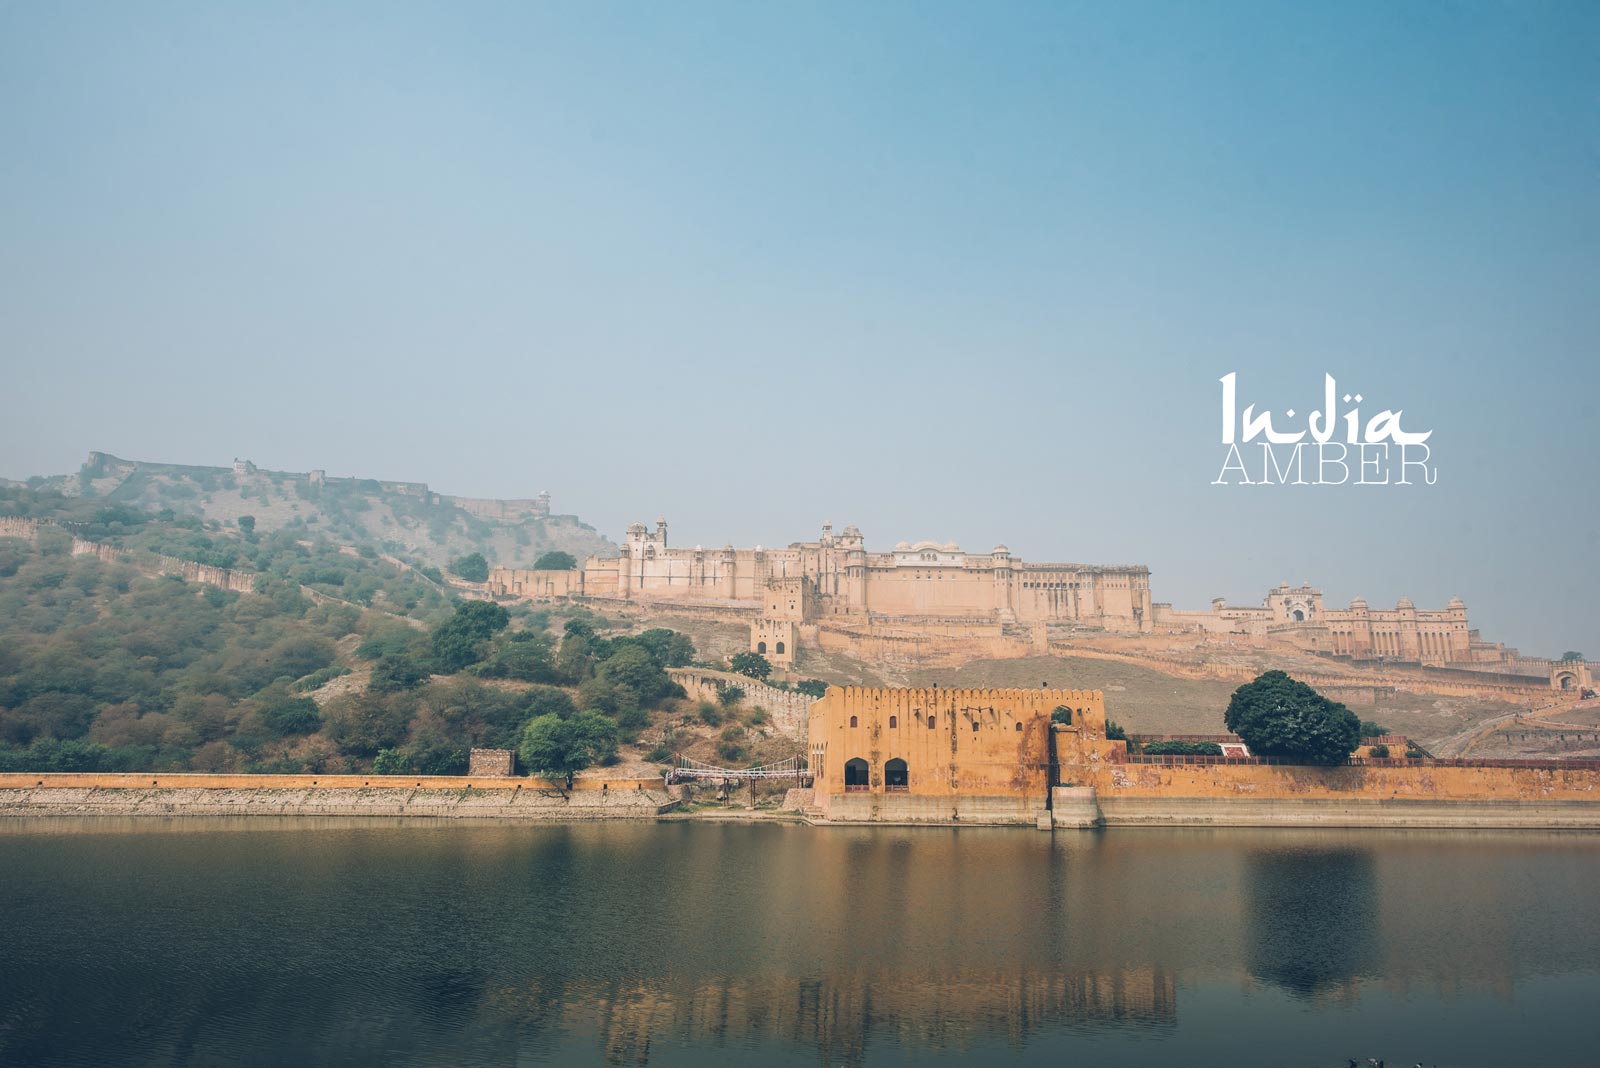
407,519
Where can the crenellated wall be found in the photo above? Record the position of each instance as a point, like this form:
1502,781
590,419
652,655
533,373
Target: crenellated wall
188,570
788,708
939,755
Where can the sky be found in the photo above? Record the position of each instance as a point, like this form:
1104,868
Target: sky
953,271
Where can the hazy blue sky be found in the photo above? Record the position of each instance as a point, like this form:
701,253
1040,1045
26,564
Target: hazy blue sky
955,271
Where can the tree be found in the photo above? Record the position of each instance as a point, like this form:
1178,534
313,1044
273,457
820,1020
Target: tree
753,665
555,560
395,672
632,666
563,747
1571,654
460,640
390,762
284,715
812,687
1279,716
1369,729
472,567
247,523
670,648
526,655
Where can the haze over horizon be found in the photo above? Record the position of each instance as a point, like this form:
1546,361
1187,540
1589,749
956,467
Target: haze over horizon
941,272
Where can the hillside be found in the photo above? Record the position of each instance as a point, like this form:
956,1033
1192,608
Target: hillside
406,519
305,655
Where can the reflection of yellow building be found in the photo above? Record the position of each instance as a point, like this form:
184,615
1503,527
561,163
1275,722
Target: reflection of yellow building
838,1015
981,755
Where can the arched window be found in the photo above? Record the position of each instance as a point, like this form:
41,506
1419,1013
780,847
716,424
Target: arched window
896,776
779,649
894,721
761,647
853,722
974,726
931,719
1019,724
855,774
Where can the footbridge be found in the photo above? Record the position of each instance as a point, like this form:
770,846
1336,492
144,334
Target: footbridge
688,769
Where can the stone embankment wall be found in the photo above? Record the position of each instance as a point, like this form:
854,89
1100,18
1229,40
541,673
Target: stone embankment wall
333,795
1398,794
789,709
1443,682
909,648
109,780
1424,780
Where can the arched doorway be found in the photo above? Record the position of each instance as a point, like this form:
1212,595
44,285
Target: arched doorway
896,776
1566,680
761,647
855,775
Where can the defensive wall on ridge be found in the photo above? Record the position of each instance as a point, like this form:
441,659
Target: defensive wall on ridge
190,571
788,708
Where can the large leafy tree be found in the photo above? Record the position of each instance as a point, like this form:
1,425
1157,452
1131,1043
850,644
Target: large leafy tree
472,567
559,747
753,665
462,639
555,560
1280,716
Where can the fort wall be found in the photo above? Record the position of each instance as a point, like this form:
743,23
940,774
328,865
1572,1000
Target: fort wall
190,571
789,709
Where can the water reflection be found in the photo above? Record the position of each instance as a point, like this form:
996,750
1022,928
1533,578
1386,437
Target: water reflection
841,1017
1313,917
320,943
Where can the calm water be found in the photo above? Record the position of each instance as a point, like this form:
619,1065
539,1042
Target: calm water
290,942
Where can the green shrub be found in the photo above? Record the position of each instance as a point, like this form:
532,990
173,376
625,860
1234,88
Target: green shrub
1182,749
1114,732
1379,751
1061,714
390,762
709,714
729,696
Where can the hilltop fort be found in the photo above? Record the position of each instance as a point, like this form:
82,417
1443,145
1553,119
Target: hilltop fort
926,600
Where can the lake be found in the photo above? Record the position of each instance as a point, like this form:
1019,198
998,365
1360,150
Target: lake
321,942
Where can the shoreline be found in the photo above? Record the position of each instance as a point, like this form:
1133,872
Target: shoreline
532,805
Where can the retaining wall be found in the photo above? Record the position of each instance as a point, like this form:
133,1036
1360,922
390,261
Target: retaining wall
980,810
526,804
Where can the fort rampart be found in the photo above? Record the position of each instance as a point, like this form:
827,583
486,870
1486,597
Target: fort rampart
788,708
156,563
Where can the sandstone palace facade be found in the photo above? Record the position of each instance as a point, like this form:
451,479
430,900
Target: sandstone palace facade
836,578
918,599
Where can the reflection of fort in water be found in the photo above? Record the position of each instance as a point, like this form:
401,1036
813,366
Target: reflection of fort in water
840,1016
